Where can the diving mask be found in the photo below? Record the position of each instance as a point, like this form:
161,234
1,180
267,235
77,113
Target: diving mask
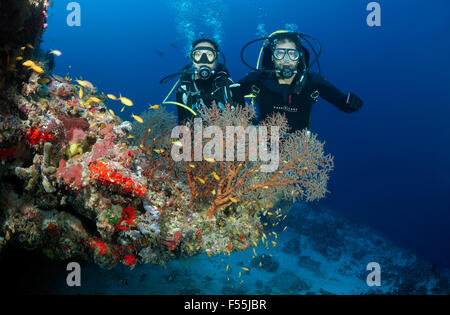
286,54
205,55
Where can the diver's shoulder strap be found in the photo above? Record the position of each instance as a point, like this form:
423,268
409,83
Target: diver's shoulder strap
306,85
303,82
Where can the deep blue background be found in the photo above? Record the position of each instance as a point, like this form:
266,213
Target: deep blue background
392,158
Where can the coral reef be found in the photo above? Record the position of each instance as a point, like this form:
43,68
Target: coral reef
76,182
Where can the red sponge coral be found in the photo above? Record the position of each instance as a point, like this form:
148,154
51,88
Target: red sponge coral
35,136
100,173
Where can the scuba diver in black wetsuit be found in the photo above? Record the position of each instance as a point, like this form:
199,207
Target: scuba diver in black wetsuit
208,81
286,84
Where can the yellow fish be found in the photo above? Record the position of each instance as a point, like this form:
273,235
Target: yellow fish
112,112
233,199
274,243
137,118
191,165
215,175
246,269
94,99
260,264
125,101
130,137
80,94
122,109
228,267
201,180
29,63
30,46
159,151
154,107
111,96
22,48
240,274
37,69
210,160
85,84
285,228
213,192
19,58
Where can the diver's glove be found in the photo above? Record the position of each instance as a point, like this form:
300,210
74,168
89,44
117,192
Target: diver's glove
354,102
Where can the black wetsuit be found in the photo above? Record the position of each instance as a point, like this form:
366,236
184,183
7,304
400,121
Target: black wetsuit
196,93
295,100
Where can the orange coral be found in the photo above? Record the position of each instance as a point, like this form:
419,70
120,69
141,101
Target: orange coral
102,174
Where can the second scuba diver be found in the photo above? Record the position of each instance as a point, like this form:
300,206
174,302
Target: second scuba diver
285,83
208,81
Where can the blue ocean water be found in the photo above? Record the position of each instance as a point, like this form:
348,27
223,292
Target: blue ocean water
392,172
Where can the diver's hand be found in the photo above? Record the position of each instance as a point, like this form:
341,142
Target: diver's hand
354,102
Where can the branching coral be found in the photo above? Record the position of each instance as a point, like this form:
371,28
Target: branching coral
302,172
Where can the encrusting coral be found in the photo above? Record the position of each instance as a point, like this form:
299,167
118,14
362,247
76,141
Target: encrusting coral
79,182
